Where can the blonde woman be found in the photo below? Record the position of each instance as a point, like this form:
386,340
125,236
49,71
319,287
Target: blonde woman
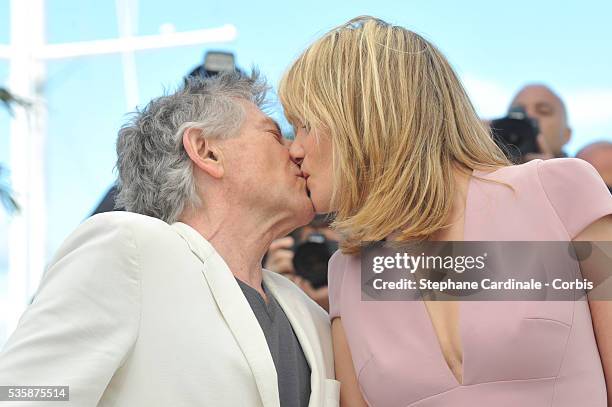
389,141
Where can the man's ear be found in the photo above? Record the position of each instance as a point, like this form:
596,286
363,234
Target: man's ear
203,152
567,135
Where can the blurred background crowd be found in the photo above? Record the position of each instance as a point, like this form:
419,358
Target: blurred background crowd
538,74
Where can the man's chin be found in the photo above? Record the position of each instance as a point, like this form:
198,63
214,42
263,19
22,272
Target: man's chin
306,213
310,211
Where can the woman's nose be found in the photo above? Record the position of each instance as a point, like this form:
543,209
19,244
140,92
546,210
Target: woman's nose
296,151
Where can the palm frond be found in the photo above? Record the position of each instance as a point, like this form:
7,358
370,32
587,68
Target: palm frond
6,198
8,100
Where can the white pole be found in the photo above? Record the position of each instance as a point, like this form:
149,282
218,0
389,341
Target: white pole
127,14
28,53
5,51
224,33
27,230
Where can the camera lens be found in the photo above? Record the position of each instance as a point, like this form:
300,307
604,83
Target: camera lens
311,257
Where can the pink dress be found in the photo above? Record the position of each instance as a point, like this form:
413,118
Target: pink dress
519,354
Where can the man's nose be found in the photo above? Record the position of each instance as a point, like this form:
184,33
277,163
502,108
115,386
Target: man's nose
532,112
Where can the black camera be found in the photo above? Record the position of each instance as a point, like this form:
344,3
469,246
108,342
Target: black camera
214,63
516,134
311,257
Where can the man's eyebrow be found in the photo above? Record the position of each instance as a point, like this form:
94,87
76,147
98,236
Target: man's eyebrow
271,122
546,105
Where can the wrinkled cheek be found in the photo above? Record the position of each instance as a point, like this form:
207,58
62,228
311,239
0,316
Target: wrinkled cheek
552,130
552,136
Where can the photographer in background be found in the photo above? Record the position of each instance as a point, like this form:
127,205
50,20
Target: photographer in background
536,125
303,255
599,155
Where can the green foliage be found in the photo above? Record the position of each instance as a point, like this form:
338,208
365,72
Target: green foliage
8,100
6,198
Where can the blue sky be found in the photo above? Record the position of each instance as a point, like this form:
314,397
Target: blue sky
496,47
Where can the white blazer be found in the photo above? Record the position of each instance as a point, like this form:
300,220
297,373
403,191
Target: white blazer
135,312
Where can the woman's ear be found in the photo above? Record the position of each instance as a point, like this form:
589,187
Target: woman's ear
203,152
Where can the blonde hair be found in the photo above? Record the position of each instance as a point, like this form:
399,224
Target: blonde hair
399,120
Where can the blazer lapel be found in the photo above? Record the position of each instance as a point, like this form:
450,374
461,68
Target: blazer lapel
237,313
301,323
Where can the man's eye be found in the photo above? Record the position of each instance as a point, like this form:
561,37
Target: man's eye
545,112
277,135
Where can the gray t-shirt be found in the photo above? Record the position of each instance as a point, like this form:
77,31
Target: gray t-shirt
292,368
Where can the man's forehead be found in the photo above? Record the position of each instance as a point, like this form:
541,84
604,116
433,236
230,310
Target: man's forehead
540,94
266,121
598,149
259,118
537,93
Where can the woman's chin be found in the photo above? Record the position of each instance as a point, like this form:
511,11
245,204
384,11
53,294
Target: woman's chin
320,207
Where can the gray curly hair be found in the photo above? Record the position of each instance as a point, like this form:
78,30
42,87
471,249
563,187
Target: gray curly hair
155,172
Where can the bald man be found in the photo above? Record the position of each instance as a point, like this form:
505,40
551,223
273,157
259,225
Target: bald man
543,104
599,155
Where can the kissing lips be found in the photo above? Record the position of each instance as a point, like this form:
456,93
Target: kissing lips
307,189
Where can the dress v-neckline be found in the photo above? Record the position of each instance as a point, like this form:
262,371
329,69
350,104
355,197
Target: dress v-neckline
461,310
438,344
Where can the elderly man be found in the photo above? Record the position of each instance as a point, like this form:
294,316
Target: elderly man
599,155
168,305
544,105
